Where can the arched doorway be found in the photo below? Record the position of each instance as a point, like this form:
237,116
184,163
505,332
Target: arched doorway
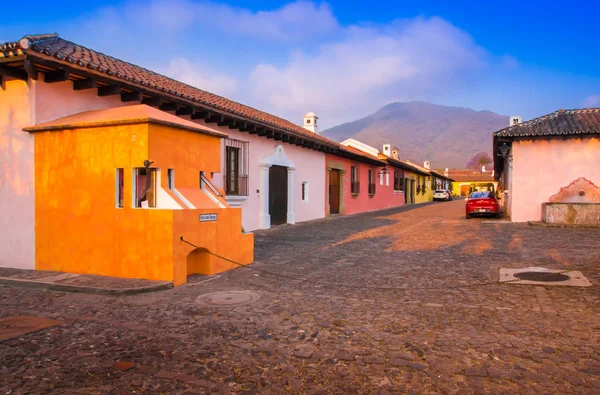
198,262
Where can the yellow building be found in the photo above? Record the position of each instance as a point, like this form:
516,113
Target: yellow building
467,181
118,192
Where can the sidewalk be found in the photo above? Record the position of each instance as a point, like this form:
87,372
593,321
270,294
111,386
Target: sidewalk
67,282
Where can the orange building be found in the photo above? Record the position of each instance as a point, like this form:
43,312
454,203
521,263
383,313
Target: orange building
116,190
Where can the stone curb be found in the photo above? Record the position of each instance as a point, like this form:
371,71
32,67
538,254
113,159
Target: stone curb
89,290
550,225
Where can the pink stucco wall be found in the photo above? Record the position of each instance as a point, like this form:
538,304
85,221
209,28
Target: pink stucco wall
384,194
24,104
542,167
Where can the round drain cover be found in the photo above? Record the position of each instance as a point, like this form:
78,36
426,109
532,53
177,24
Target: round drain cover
227,298
542,276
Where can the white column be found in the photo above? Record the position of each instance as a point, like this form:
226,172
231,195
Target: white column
327,207
291,216
387,179
264,219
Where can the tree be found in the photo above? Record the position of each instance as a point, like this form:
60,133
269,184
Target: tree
478,160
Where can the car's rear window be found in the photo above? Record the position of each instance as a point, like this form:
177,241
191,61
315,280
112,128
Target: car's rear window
440,191
481,195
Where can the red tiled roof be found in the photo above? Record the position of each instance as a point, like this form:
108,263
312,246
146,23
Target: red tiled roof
358,152
466,175
75,55
558,123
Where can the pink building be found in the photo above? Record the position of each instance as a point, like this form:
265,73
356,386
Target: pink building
537,159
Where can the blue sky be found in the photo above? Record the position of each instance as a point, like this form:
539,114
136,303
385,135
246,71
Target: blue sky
345,59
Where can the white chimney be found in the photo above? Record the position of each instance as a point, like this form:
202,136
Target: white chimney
395,153
515,120
483,169
387,150
427,165
310,122
446,172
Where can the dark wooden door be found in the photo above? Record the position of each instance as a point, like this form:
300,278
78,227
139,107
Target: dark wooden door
278,187
334,192
406,191
412,191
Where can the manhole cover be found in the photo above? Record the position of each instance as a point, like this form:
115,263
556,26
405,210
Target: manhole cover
227,298
542,276
11,327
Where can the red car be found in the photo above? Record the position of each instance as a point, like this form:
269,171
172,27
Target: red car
482,204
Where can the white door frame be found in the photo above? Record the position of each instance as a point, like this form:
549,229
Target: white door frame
277,158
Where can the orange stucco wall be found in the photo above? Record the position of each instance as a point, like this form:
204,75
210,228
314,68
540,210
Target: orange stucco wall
79,229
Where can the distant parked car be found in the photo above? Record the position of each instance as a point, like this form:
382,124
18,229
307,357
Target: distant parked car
441,194
482,204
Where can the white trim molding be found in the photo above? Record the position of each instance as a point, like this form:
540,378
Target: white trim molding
277,158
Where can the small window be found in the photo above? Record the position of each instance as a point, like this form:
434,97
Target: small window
171,177
354,181
119,188
305,191
236,167
144,187
371,182
308,121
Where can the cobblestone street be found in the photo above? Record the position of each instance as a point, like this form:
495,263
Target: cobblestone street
403,300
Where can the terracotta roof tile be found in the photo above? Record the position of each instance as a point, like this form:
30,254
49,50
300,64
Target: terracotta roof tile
558,123
72,54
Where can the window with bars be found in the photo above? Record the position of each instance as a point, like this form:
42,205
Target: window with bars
371,182
236,167
398,180
354,181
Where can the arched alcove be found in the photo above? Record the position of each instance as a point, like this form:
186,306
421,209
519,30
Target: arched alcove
198,262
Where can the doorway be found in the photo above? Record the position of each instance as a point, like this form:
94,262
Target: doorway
334,192
412,191
278,194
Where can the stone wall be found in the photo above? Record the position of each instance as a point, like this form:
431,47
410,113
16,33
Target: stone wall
571,213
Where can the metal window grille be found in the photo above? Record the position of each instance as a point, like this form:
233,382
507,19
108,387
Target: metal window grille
236,167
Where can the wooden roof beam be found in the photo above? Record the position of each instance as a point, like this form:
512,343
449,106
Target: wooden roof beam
152,101
13,72
109,90
132,96
56,76
86,83
200,114
30,69
168,107
184,110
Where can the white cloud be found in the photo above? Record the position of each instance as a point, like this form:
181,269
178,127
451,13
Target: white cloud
296,20
201,76
591,101
369,67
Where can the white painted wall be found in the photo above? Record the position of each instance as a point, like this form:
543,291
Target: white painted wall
542,167
17,194
309,167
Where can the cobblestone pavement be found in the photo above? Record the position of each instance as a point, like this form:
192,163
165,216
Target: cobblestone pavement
380,303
